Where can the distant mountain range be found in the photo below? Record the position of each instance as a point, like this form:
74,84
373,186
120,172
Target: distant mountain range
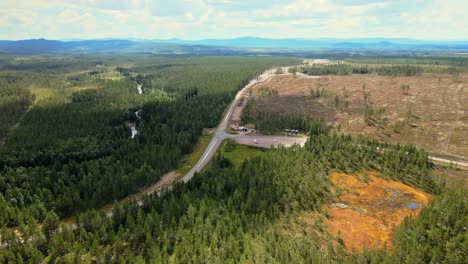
323,43
242,45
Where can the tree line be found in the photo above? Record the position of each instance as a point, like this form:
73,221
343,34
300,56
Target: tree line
346,69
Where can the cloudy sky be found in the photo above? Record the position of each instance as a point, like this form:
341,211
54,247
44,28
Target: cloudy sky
199,19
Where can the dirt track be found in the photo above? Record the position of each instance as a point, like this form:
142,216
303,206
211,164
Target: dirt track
166,180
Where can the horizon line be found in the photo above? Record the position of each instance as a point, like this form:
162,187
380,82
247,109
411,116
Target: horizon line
241,37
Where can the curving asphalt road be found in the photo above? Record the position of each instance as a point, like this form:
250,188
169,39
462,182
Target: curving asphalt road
220,133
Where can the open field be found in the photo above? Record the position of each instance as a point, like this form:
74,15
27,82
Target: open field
42,93
236,153
431,113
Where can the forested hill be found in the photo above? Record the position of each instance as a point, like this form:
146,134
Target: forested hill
33,46
237,46
367,44
43,46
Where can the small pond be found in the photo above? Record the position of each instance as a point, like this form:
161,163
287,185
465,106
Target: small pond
413,205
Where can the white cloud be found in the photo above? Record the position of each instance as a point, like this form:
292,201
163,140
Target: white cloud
189,16
197,19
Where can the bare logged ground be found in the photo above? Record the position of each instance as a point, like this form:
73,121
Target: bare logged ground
166,180
432,114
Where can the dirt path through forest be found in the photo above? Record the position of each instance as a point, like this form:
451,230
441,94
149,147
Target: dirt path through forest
457,117
15,126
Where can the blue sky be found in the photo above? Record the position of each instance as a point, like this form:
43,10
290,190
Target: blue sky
200,19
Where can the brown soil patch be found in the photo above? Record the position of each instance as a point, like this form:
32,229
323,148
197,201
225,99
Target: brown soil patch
432,115
374,209
236,114
166,180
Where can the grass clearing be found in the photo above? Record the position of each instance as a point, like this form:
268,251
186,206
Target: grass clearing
237,153
82,88
114,78
43,93
188,161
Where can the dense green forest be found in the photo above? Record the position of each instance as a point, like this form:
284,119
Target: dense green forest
73,151
246,214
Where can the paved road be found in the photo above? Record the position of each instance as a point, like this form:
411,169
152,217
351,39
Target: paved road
220,133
